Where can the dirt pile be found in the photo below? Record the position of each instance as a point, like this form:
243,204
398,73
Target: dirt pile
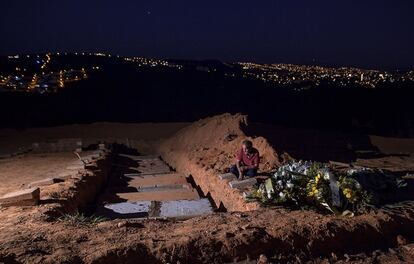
213,143
207,148
282,235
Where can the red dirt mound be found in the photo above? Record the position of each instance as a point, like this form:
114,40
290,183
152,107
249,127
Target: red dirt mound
208,147
213,143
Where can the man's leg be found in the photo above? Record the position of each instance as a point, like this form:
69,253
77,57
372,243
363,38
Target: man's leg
234,170
250,172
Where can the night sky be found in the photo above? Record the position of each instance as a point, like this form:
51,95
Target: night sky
364,33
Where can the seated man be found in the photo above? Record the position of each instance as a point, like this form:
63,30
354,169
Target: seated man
247,161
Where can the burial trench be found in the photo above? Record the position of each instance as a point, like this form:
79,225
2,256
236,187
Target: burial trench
144,186
133,186
119,185
136,186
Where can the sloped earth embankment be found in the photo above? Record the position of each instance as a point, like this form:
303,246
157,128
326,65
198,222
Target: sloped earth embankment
207,147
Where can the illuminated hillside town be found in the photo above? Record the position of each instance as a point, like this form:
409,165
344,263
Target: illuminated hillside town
290,73
37,73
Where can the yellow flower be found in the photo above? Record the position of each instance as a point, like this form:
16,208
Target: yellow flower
346,191
348,195
316,191
313,188
311,194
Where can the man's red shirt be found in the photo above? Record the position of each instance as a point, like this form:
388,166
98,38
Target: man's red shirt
249,159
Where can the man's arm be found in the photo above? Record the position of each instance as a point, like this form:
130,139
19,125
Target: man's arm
239,165
240,168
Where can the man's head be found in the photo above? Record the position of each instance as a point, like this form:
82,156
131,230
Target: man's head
247,146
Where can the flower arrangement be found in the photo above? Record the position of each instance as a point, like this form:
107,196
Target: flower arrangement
315,184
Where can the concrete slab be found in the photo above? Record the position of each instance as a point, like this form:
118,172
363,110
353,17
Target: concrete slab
125,210
185,208
21,198
44,182
147,173
176,194
171,187
152,166
152,169
151,163
147,169
227,176
243,183
157,180
147,157
169,174
169,209
138,157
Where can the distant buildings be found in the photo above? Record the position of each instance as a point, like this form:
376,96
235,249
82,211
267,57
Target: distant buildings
37,73
290,74
143,62
41,79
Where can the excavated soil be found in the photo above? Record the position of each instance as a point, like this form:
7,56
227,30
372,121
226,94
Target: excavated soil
207,148
280,234
245,233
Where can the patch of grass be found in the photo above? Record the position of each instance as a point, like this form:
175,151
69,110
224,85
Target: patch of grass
79,219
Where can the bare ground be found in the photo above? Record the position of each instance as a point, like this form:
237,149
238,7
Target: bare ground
35,235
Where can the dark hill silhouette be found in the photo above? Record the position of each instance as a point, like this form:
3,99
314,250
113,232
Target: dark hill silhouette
123,92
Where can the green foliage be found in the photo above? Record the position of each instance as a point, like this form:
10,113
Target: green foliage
313,170
79,219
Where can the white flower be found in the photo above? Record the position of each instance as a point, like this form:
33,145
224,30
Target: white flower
282,195
289,185
280,183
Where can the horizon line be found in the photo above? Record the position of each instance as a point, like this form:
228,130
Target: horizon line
336,66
